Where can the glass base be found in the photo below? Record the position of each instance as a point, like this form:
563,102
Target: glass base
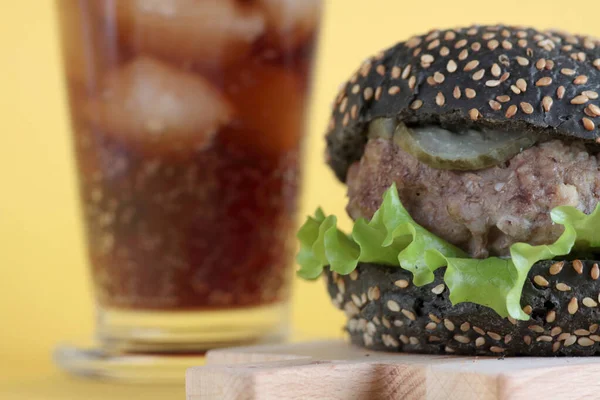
97,363
158,346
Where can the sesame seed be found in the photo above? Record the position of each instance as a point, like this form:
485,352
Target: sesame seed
427,58
476,46
581,99
451,66
527,309
406,71
522,43
439,77
378,92
573,306
440,100
450,35
555,347
549,65
564,336
394,90
505,76
578,266
515,89
536,328
433,44
590,94
521,84
471,65
465,326
431,326
527,339
511,111
412,82
433,338
494,335
371,328
444,51
506,45
341,285
398,323
439,288
512,320
595,338
373,293
393,306
415,105
354,111
488,36
570,340
460,43
343,105
551,316
540,64
507,339
494,105
355,89
555,331
479,342
351,309
595,272
560,92
496,71
474,114
593,328
582,332
563,287
479,330
401,283
492,83
353,275
409,314
547,103
396,72
526,107
456,92
496,349
470,93
540,280
567,71
449,349
596,63
479,74
585,342
522,61
381,69
544,338
434,318
433,35
368,93
588,124
431,81
503,98
593,110
545,81
403,339
448,324
462,339
580,80
556,267
413,340
463,54
493,44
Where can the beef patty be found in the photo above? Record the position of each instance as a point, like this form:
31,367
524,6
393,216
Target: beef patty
483,211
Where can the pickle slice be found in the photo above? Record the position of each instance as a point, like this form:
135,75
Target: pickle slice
470,150
382,128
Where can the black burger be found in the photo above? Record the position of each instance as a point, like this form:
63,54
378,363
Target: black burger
471,159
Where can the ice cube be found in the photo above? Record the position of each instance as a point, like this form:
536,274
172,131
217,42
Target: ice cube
270,105
88,51
291,22
158,108
209,32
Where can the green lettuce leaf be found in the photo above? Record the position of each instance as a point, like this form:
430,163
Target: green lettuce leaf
393,238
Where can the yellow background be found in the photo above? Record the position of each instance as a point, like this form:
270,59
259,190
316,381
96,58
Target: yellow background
44,289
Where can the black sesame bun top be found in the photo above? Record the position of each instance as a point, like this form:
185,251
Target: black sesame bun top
501,77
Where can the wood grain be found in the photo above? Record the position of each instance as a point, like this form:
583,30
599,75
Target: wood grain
337,370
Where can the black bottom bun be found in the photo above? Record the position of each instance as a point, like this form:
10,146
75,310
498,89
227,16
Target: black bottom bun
387,312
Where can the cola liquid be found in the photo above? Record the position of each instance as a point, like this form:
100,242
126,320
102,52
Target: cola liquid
188,118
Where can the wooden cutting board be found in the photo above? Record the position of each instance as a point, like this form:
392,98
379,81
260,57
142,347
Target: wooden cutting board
337,370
